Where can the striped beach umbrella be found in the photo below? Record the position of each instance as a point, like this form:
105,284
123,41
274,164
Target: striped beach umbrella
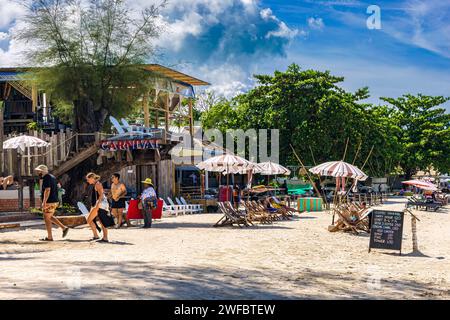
425,185
339,169
270,168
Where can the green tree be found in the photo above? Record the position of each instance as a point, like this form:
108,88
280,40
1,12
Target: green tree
424,132
91,51
314,114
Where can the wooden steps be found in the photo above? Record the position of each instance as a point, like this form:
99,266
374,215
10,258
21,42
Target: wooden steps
75,160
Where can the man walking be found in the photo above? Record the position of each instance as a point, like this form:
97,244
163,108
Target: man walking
49,198
118,192
149,201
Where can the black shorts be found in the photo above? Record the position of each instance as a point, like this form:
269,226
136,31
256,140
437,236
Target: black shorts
119,204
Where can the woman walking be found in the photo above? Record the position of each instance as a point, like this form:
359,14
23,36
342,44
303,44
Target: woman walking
98,207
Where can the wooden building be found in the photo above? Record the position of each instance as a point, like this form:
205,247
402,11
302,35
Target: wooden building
135,157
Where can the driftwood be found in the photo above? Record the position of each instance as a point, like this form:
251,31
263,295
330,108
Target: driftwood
72,221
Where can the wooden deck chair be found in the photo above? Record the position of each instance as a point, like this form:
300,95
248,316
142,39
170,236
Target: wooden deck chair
241,217
260,207
230,217
283,214
287,208
255,215
197,208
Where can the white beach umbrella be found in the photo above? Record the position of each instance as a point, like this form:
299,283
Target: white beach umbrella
23,142
270,168
226,163
339,169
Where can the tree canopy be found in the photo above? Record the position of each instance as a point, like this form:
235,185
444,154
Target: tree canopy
89,53
317,116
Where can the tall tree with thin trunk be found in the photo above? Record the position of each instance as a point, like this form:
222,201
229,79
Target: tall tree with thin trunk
91,51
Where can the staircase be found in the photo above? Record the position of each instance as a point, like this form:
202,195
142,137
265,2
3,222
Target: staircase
75,159
23,88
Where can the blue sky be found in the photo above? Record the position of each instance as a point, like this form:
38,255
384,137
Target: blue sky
227,41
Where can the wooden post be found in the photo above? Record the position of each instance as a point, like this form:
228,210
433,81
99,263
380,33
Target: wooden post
191,129
414,233
2,162
34,97
191,119
146,112
31,192
166,117
155,106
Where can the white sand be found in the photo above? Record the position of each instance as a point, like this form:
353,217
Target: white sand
186,258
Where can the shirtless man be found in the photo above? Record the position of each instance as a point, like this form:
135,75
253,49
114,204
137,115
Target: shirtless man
118,191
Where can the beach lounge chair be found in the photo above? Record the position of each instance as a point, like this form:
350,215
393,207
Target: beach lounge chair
84,210
273,214
231,217
189,209
168,211
285,207
255,215
116,125
197,208
179,209
283,213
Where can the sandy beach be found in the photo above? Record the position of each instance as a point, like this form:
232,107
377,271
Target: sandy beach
186,258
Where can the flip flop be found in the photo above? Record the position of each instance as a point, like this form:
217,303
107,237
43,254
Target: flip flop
94,239
65,231
103,241
45,239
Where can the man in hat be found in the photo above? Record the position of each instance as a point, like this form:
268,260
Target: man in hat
49,201
149,199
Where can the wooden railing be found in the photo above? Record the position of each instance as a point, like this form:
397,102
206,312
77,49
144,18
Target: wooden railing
63,145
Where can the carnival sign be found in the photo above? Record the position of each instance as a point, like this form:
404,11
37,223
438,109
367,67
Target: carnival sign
142,144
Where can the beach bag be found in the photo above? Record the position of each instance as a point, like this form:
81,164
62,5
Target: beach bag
106,218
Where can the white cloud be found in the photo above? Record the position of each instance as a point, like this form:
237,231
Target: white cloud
316,23
284,32
9,11
4,36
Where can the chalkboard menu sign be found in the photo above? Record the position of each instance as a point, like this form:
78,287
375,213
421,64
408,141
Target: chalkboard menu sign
387,230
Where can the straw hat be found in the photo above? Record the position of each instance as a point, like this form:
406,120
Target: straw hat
147,181
41,168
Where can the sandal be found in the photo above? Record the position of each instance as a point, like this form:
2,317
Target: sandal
94,239
103,241
45,239
65,231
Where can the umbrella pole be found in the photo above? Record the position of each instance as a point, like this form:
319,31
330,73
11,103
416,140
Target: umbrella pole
19,174
307,174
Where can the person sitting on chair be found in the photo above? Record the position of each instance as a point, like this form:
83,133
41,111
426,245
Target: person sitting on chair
6,181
